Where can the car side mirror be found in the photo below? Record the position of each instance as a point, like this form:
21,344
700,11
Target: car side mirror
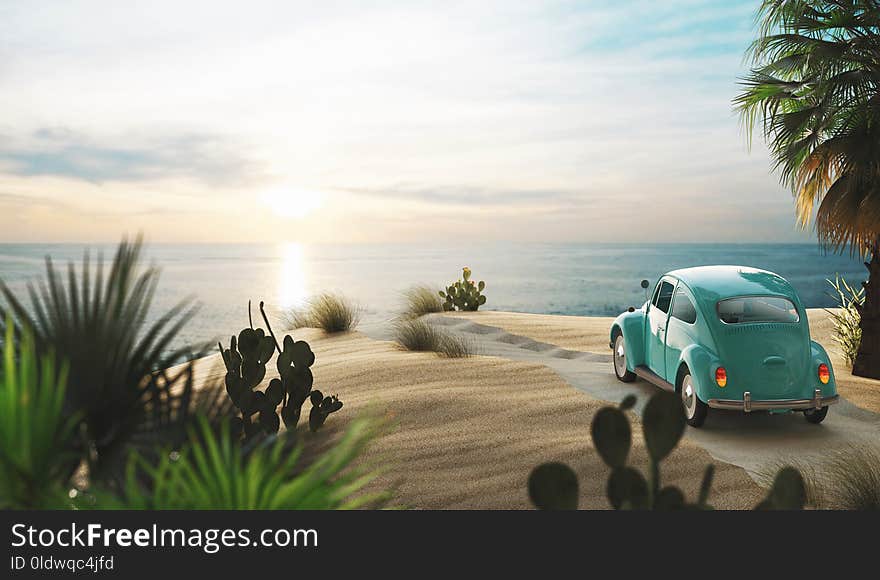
645,284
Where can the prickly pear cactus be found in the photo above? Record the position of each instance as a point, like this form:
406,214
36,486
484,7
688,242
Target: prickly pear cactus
554,485
294,364
246,360
663,424
321,408
788,491
465,294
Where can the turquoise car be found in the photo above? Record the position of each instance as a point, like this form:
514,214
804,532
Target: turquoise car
726,337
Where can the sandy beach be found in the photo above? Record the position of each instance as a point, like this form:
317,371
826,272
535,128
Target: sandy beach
465,433
590,334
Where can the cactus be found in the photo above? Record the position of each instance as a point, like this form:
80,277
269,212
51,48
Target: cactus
788,491
321,408
554,485
293,365
464,294
246,360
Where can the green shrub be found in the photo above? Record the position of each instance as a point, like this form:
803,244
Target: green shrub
246,360
421,300
420,336
98,325
554,485
35,432
846,318
464,294
214,471
330,312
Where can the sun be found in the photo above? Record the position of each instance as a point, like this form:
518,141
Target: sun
292,202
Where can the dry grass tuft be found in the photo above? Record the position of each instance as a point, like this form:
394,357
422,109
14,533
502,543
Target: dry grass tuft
845,480
846,318
417,335
421,300
330,312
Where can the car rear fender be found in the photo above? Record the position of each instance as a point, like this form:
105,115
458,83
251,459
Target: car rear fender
701,363
632,325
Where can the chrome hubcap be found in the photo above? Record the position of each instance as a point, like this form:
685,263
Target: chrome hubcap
619,356
688,396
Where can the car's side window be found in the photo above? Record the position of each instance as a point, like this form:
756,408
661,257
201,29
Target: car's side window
656,293
683,308
663,297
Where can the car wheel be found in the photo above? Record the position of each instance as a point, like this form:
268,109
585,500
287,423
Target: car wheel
620,369
694,409
816,415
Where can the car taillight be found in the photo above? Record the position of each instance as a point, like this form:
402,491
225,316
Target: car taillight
721,376
824,374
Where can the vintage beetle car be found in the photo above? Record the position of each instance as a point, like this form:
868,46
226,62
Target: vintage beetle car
726,337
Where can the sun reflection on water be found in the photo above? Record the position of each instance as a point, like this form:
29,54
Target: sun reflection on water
292,285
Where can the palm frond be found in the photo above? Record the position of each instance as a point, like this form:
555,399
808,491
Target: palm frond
214,471
36,452
115,358
815,90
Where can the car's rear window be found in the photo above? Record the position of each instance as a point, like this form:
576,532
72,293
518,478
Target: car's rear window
750,309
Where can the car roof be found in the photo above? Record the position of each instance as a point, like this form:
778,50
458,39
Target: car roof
713,283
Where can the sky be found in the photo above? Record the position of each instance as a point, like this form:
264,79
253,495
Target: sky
416,121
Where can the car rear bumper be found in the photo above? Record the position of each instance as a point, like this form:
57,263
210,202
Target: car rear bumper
747,404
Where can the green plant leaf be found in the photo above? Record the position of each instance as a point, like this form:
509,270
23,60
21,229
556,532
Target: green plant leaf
788,491
669,499
627,489
122,373
215,471
706,485
611,436
290,415
275,392
663,424
553,486
36,433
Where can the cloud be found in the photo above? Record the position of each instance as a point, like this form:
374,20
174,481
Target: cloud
61,152
18,198
463,195
603,119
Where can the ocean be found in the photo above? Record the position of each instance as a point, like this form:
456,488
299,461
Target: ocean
570,279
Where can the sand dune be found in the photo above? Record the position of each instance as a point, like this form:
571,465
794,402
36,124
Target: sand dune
755,441
468,431
583,333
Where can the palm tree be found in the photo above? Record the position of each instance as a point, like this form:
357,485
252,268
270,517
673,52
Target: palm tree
815,85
